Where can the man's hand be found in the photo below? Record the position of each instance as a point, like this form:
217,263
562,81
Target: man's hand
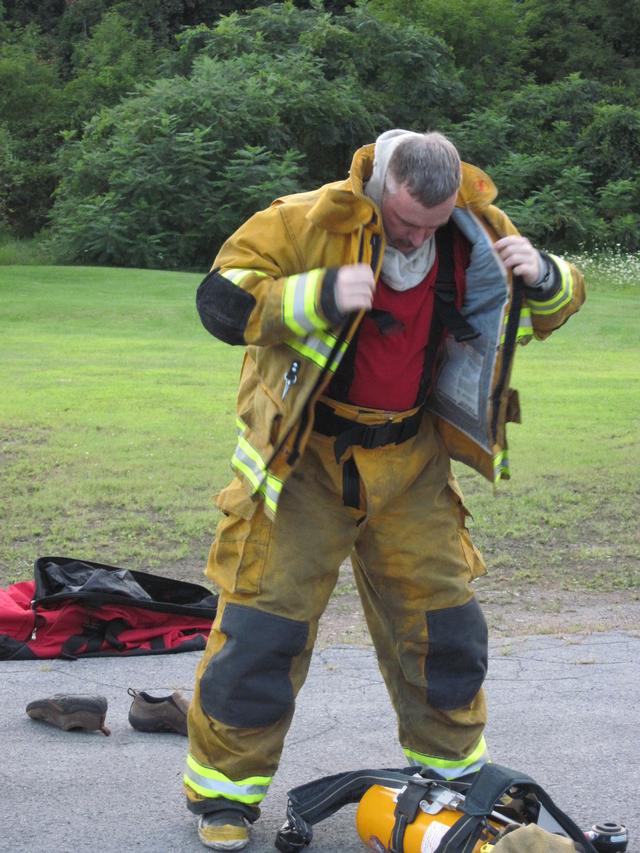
353,288
519,255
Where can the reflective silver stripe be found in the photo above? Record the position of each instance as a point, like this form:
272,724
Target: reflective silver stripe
560,299
299,302
248,461
211,783
451,769
272,489
236,275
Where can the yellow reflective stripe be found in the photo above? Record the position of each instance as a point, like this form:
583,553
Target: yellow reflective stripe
289,306
560,299
525,326
501,466
314,281
299,302
211,783
247,460
474,761
236,275
318,348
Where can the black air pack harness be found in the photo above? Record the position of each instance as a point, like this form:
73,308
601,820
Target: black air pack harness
311,803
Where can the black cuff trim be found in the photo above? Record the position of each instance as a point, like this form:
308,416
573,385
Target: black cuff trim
549,284
224,308
211,805
328,303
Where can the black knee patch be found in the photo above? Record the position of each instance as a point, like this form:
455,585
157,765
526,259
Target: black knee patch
456,662
247,684
224,308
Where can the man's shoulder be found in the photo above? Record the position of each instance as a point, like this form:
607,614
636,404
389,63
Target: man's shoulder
308,198
477,189
334,207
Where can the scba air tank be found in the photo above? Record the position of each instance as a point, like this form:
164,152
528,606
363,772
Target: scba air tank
375,820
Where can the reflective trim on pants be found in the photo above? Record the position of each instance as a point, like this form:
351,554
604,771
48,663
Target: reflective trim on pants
208,782
451,769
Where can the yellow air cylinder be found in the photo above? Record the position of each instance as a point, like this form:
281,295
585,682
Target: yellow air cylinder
375,820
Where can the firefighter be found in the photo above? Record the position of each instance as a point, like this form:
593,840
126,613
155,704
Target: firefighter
380,315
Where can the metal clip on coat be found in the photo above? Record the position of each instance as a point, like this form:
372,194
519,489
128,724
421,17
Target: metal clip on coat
290,377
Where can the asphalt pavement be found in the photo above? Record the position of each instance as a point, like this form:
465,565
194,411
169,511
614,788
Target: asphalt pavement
563,709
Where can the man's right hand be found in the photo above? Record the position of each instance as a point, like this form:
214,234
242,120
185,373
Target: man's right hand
353,288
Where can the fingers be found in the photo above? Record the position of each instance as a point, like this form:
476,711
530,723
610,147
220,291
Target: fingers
354,287
521,257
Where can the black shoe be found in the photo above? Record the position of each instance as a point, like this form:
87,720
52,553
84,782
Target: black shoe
67,712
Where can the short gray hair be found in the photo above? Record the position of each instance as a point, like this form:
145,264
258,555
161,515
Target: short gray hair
428,165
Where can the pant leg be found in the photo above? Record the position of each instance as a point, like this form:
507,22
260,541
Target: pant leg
414,563
275,579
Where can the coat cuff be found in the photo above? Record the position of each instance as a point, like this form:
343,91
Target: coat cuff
328,304
549,282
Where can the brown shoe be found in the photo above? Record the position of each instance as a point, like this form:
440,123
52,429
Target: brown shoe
158,713
67,711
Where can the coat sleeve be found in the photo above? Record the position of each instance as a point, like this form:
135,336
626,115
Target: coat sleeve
262,290
550,305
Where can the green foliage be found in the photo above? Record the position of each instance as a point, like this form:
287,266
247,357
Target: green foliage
598,38
610,144
262,177
482,34
151,183
544,94
162,178
376,56
32,113
561,213
10,171
558,153
109,64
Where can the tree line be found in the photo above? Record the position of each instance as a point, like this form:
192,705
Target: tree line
142,132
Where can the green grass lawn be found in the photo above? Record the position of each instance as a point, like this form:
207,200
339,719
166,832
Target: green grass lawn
117,424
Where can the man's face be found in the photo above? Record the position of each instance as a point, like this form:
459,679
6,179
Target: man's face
407,223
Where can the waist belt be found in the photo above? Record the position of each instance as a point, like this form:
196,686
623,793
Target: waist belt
369,436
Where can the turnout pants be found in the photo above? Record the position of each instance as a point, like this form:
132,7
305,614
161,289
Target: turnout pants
413,562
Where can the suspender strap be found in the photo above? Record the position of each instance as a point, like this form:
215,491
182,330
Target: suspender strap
350,483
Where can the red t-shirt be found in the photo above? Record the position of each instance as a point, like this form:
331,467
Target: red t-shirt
388,367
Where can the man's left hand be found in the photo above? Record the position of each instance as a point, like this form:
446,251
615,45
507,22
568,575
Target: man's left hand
521,257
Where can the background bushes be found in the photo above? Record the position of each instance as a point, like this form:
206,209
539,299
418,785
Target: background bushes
142,133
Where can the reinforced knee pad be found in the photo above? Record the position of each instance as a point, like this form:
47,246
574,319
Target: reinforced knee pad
456,661
247,683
